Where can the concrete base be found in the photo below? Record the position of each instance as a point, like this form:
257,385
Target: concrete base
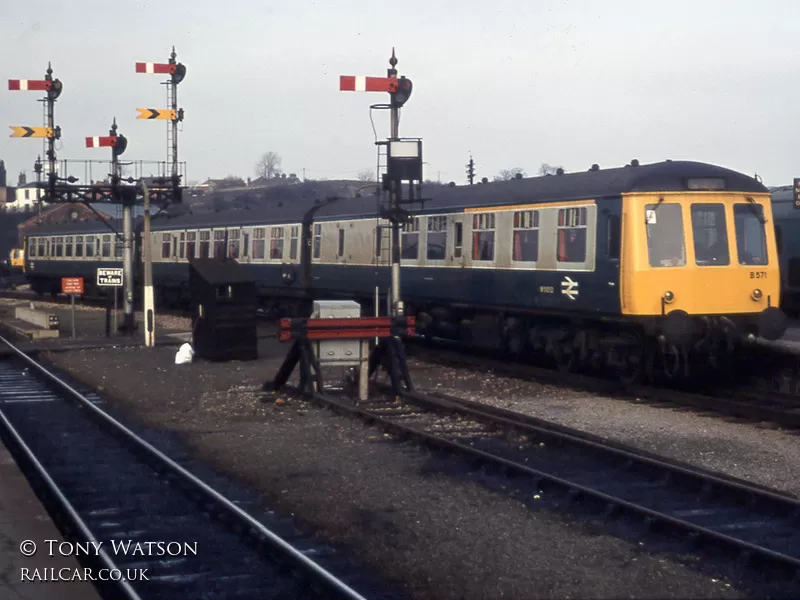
26,330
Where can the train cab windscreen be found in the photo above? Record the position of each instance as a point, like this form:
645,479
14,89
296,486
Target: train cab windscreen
751,238
665,244
710,235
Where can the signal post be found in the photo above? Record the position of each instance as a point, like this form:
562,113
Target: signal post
118,144
404,162
50,131
177,72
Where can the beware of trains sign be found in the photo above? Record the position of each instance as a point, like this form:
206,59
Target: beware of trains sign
109,277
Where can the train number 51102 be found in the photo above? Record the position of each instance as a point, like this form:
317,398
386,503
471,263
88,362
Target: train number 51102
758,274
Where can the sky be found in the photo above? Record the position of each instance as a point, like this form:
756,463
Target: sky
514,84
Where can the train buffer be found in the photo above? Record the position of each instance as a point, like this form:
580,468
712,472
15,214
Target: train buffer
345,342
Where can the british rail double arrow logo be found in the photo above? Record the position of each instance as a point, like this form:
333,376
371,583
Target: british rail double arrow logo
156,113
27,132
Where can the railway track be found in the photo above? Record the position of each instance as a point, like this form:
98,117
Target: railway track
544,464
107,484
768,397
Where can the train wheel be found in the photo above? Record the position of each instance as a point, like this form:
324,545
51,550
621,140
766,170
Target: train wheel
634,363
566,357
672,361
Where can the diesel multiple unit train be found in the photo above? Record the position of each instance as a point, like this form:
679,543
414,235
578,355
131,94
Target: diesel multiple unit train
635,268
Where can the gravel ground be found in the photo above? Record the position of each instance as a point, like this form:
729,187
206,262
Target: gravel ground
764,455
412,517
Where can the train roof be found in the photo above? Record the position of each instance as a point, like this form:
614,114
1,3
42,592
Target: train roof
290,203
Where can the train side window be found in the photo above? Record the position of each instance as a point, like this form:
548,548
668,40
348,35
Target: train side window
41,245
409,239
219,243
182,244
751,239
483,237
437,238
665,238
89,246
276,243
119,246
572,235
340,248
614,235
191,242
233,244
166,245
107,246
710,235
526,236
293,241
259,242
78,246
59,246
205,244
68,246
245,245
317,240
458,240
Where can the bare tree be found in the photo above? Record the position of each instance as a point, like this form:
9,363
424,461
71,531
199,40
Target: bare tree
546,169
269,166
506,174
366,175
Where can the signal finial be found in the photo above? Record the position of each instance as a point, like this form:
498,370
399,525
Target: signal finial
49,71
173,56
393,59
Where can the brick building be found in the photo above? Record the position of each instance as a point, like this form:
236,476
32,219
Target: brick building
60,213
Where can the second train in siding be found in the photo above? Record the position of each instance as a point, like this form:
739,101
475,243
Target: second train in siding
640,268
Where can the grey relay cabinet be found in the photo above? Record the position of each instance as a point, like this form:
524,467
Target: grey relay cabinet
224,310
339,353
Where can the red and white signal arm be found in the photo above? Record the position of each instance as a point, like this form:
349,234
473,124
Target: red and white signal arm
149,67
103,141
38,85
362,83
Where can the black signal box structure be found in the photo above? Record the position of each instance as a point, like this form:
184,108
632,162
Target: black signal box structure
224,310
405,160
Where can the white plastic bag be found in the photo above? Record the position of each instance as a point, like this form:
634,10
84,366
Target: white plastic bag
184,355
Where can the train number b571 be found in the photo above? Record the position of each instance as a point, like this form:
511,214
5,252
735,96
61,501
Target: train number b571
758,274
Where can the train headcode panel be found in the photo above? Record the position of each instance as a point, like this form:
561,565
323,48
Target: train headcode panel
796,192
72,286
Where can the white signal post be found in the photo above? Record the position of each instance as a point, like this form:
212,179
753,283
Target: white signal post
147,256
